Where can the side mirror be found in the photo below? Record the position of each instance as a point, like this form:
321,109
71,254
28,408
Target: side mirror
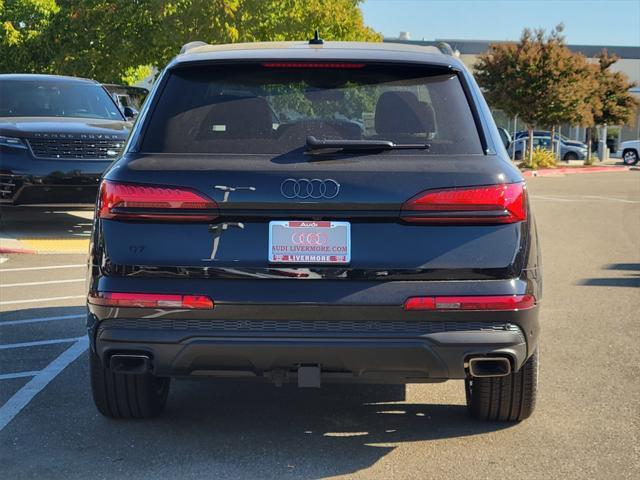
130,113
506,138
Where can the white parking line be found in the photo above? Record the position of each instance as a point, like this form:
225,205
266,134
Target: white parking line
611,199
553,198
8,346
22,397
48,282
43,319
40,300
10,376
582,198
53,267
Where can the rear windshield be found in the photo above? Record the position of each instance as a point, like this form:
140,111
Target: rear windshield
272,108
48,98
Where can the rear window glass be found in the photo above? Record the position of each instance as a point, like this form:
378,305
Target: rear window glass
266,109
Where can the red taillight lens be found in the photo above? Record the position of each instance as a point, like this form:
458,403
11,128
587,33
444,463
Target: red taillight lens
420,303
148,202
151,300
481,302
339,65
489,204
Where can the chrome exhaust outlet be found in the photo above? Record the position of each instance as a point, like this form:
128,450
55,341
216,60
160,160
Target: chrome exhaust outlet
133,364
489,367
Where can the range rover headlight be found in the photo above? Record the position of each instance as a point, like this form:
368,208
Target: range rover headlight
12,142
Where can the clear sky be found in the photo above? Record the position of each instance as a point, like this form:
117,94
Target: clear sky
587,22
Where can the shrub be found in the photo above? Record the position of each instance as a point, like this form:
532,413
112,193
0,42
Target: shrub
541,158
593,158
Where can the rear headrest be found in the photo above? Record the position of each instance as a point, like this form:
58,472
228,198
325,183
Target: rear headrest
399,113
237,116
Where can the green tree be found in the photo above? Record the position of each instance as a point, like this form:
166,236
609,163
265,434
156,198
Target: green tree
570,85
612,102
112,40
539,79
22,25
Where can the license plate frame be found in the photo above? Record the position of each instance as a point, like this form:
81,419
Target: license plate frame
309,242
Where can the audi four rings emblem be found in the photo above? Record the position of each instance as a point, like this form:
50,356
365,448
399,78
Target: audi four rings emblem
319,239
314,188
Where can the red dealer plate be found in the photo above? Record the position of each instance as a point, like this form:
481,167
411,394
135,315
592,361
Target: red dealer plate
309,242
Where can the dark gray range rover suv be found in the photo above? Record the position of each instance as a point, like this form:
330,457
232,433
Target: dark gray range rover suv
310,213
57,136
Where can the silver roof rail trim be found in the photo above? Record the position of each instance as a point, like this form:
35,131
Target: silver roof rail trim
191,45
445,48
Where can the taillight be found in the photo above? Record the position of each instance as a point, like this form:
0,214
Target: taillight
503,203
147,202
151,300
478,302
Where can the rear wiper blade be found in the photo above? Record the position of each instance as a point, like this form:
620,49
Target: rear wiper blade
315,145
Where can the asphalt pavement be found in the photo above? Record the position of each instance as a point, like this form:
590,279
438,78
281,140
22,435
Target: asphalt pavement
587,423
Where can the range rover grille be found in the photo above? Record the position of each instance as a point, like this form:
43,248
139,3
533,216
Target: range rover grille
76,149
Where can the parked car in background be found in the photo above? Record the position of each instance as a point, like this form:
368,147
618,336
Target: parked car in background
129,99
546,133
319,247
568,150
57,137
629,152
505,136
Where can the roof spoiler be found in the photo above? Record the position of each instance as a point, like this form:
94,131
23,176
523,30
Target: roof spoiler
191,45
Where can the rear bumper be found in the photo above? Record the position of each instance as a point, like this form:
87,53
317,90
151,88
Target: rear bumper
378,351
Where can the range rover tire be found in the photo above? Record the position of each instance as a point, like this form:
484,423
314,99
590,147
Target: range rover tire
118,395
504,399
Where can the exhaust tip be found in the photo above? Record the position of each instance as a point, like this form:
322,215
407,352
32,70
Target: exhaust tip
134,364
489,367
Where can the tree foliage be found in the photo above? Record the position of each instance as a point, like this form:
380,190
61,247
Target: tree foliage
111,39
539,79
614,104
545,84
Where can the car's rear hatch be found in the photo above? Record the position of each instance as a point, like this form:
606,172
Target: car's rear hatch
254,175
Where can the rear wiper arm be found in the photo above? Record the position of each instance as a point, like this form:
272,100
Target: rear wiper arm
315,145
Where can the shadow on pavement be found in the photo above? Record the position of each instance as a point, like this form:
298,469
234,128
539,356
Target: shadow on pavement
45,312
631,279
260,431
23,222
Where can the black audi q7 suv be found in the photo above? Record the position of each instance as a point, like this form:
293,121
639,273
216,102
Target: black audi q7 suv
57,136
311,213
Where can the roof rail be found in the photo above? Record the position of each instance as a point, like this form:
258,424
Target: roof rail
191,45
445,48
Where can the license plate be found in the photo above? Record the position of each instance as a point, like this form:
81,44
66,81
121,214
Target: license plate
309,242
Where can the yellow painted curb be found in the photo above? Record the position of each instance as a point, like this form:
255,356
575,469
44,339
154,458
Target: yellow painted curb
56,245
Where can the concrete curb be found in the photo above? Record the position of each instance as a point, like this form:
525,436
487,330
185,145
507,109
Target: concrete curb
556,172
17,250
11,245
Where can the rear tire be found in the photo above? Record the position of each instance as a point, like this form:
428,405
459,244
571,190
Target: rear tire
504,399
117,395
